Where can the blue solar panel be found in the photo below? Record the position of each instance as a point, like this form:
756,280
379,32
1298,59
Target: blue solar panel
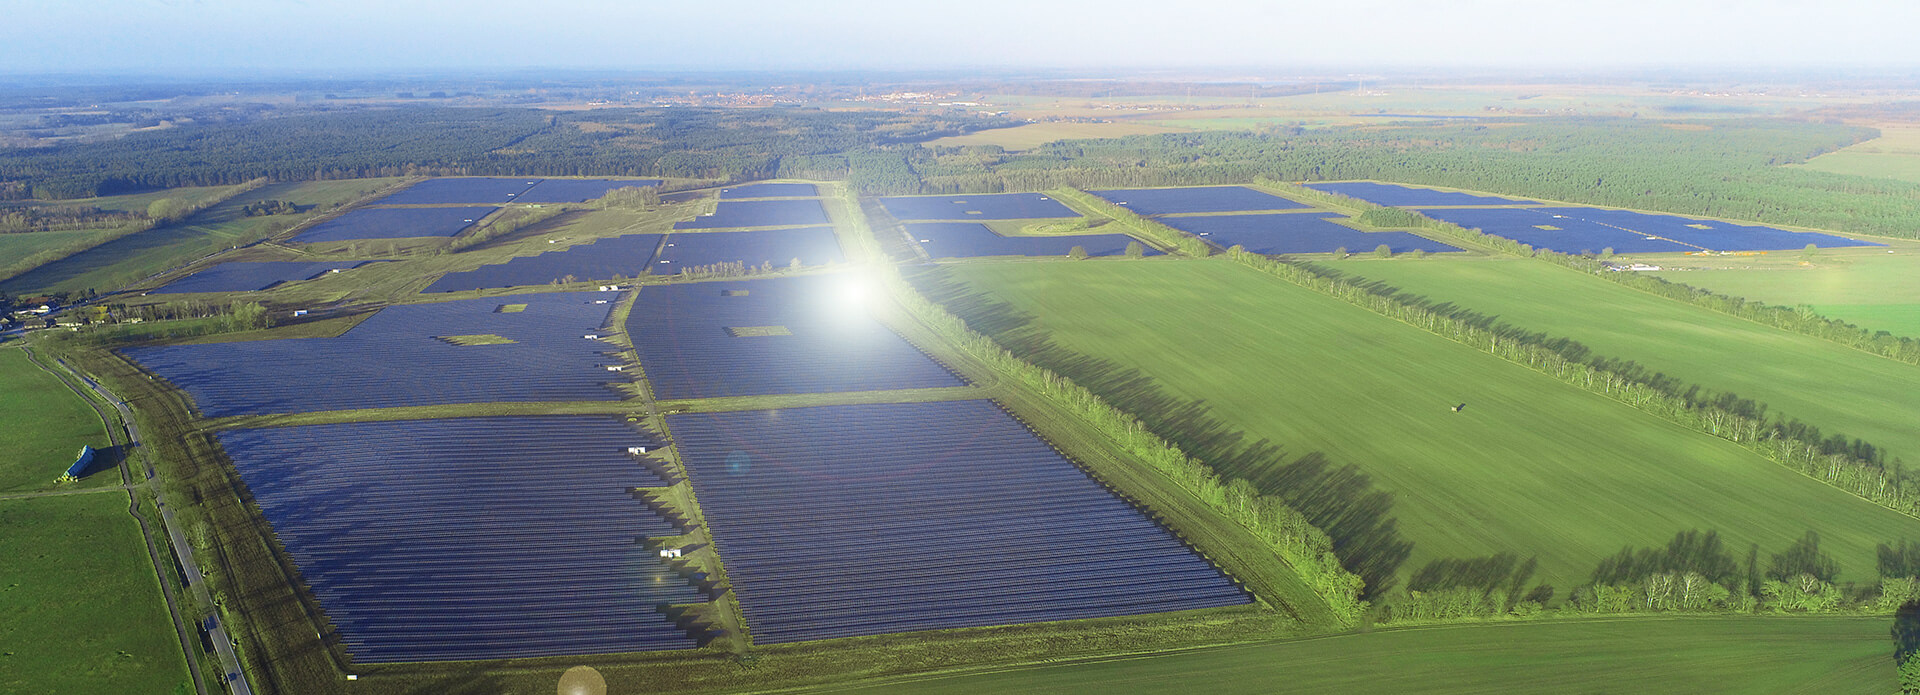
577,190
1709,234
985,206
832,344
1408,196
1165,201
461,191
625,256
245,277
759,213
770,190
969,239
393,223
871,519
393,359
779,247
1555,229
1296,233
470,538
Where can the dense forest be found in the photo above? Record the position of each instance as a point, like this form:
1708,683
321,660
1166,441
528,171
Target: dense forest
732,144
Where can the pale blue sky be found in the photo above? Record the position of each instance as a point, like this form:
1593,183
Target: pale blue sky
180,36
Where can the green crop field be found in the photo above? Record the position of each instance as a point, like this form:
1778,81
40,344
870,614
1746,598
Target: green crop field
19,248
46,424
1893,155
1870,288
130,258
131,202
82,609
1828,655
1835,388
1531,465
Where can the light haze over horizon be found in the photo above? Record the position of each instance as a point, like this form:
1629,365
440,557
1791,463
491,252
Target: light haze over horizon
189,37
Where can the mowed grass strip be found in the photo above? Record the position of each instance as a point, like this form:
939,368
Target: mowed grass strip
1842,391
1531,465
1825,654
80,608
43,424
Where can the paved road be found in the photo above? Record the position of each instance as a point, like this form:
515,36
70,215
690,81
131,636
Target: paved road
232,674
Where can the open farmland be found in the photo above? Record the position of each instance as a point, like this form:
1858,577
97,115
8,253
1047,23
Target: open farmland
869,519
1195,199
1893,155
394,223
759,213
811,246
474,538
603,259
1298,232
1031,135
1872,288
128,259
972,239
997,206
247,277
83,609
757,337
49,424
1800,654
399,358
1211,351
1839,390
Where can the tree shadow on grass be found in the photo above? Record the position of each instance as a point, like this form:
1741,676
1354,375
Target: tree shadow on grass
1339,499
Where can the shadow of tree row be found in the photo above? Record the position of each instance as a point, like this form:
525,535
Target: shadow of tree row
1339,499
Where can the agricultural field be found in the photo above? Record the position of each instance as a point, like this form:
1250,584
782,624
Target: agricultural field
1224,354
1839,390
1031,135
1893,155
128,259
1874,288
48,425
1826,654
83,609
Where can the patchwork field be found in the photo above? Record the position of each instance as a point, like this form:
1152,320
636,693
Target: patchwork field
1834,388
83,612
47,425
1826,654
1529,466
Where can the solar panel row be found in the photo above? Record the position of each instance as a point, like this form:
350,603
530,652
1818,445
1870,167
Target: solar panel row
393,223
994,206
470,538
1395,195
1172,201
729,214
1296,233
247,277
502,190
872,519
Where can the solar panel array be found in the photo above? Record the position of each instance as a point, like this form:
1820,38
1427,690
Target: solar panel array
1296,233
393,223
871,519
1394,195
577,190
461,190
985,206
393,359
831,344
1168,201
599,260
471,538
970,239
759,213
812,245
247,277
1577,230
770,190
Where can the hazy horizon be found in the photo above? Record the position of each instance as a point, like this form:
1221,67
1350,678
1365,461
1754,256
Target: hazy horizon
225,37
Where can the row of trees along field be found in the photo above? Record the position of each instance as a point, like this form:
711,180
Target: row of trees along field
1694,572
1731,168
730,144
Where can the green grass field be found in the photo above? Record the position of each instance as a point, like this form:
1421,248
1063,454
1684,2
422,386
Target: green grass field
1893,155
82,610
1837,389
131,202
46,424
19,248
1826,655
1531,466
128,259
1870,288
